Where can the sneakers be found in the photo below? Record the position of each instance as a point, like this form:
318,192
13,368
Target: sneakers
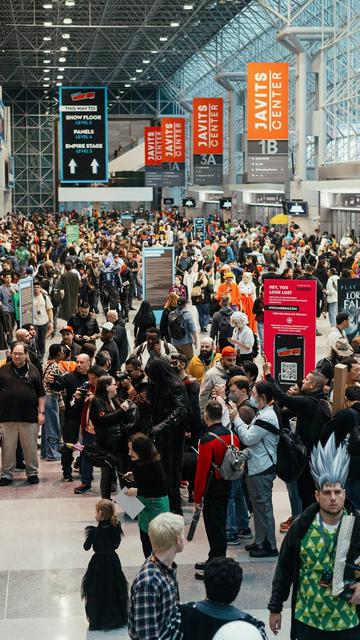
67,478
245,534
233,541
33,479
4,482
285,526
82,488
200,566
251,547
264,552
199,576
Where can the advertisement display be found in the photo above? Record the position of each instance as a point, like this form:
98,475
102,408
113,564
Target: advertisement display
349,301
26,301
173,152
158,276
153,157
208,140
83,134
290,329
267,121
199,229
72,233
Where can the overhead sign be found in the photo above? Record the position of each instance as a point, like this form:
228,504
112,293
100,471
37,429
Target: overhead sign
83,134
173,151
289,328
226,203
267,160
267,101
153,157
189,202
199,229
296,208
26,301
208,140
168,201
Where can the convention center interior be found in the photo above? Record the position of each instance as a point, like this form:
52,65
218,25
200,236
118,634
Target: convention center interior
180,319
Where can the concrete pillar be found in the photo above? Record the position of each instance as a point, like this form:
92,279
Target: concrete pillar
300,96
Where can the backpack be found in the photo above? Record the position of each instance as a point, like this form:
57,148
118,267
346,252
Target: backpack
55,296
225,328
255,349
234,460
291,453
177,325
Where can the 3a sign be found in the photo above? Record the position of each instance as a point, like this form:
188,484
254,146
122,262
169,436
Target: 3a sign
153,157
208,140
173,152
83,134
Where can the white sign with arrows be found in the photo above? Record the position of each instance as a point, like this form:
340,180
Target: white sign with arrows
72,164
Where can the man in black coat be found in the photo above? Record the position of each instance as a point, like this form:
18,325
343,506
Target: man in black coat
84,325
109,345
120,335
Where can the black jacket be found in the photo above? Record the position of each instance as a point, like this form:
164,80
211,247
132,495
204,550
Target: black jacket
111,347
120,337
288,565
343,424
84,326
311,410
112,427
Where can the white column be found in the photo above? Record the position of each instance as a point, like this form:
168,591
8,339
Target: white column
300,96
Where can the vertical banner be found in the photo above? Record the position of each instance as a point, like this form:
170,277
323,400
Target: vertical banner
72,233
199,229
208,140
173,152
267,121
158,276
349,301
26,301
83,134
153,157
290,328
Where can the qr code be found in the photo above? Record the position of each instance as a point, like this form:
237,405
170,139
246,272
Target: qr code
289,372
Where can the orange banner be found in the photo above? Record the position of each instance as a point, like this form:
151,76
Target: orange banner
267,101
173,139
153,148
207,125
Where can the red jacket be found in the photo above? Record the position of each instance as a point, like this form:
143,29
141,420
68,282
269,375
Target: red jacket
211,450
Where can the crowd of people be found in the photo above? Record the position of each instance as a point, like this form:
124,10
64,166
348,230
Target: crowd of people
163,400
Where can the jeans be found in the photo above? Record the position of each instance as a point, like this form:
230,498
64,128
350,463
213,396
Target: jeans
41,331
237,513
86,468
51,428
260,491
204,314
260,328
295,500
332,309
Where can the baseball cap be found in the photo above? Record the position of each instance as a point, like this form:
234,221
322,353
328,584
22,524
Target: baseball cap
108,326
228,351
67,329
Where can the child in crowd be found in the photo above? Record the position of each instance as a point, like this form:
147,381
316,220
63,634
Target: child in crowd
104,585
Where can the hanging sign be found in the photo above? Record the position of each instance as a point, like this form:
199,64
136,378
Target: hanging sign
153,157
267,121
83,134
208,140
173,152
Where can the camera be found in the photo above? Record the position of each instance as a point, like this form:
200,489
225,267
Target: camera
120,376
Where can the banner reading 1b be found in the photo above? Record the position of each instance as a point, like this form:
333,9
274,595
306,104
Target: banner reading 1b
83,134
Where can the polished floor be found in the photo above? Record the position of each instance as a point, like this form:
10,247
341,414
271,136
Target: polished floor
42,559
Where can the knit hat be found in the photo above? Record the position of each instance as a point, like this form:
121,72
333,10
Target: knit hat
228,351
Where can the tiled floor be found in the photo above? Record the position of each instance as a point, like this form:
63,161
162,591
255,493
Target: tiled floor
42,559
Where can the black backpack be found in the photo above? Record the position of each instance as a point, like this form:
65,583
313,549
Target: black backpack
177,324
291,453
255,349
225,328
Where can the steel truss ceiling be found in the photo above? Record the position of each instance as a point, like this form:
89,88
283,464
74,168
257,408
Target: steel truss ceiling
108,39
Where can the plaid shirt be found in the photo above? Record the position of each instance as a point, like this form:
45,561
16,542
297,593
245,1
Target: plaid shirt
154,612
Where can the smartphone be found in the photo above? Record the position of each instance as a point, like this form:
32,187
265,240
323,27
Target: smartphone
289,359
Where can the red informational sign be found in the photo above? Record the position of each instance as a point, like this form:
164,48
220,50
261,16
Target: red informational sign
153,149
268,101
173,139
290,328
207,125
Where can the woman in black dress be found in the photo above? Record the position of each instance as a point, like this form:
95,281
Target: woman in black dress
144,320
104,586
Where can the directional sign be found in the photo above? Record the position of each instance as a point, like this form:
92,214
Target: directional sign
226,203
267,160
199,228
207,134
83,134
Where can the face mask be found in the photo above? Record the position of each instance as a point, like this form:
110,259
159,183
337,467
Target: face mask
253,402
232,397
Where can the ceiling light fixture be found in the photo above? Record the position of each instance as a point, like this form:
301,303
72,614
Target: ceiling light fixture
61,69
154,52
47,23
60,77
47,6
70,3
146,61
174,24
46,38
139,70
132,78
59,84
62,59
47,50
46,61
46,85
188,7
47,79
46,70
65,36
67,21
63,48
127,85
163,38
